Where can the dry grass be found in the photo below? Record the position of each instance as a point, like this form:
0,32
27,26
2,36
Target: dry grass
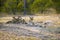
10,36
36,18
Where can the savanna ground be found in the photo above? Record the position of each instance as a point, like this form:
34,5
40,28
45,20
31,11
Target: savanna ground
54,17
